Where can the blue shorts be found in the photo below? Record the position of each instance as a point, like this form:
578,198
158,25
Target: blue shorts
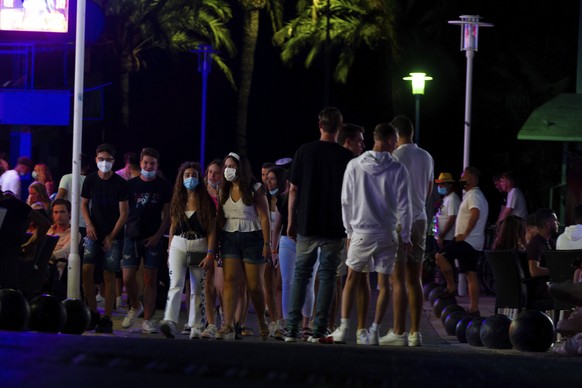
464,253
245,246
96,255
133,251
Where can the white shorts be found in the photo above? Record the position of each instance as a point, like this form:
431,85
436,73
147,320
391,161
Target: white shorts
374,252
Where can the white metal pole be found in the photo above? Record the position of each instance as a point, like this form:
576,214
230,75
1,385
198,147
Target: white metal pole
468,92
74,263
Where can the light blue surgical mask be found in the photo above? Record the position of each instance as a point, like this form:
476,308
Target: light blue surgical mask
190,183
274,191
148,174
214,185
442,190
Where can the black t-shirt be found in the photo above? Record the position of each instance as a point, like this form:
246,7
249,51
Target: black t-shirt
15,222
105,195
318,170
146,201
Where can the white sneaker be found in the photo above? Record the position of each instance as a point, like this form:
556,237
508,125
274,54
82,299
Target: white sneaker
415,339
119,303
373,337
393,339
195,333
99,298
209,332
132,314
169,329
148,327
362,337
338,336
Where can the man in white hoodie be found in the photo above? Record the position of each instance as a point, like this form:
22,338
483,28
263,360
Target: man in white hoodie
572,236
375,199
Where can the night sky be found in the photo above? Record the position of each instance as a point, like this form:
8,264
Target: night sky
526,59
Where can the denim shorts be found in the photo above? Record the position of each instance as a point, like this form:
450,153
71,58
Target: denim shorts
245,246
96,255
133,251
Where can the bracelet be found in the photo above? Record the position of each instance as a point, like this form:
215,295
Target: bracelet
210,251
267,243
275,251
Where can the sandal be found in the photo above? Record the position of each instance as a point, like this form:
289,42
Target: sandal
264,330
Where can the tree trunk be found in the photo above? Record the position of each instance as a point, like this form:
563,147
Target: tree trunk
250,34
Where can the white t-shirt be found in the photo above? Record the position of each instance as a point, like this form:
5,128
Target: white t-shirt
420,168
450,207
516,202
472,199
10,181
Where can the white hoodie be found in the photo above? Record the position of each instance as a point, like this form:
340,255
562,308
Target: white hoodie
571,238
375,195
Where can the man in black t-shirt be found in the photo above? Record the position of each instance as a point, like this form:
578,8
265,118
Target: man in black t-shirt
104,208
149,218
315,219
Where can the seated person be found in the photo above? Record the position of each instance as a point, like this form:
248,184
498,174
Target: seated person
18,215
61,212
547,224
511,235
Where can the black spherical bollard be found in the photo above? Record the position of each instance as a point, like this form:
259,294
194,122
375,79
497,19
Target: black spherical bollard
427,288
461,329
440,304
434,294
47,314
495,332
78,316
473,331
449,309
532,331
14,310
452,320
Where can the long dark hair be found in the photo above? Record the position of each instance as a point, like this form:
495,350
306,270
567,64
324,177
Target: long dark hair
206,209
245,178
511,234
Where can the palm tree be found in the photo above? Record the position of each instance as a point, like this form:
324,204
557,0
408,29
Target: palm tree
135,26
251,12
352,24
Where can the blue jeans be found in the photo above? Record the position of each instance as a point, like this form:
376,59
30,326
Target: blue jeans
329,258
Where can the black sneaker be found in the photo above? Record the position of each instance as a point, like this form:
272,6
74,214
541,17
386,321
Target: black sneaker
238,331
105,325
95,318
290,335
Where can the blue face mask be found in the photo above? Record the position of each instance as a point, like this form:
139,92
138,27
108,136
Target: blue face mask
274,191
148,174
442,190
191,183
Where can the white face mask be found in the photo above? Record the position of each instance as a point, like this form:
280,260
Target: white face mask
34,175
230,174
104,166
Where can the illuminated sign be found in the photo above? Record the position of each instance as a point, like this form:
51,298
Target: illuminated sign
34,15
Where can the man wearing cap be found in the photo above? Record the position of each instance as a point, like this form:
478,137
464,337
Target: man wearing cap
469,239
447,213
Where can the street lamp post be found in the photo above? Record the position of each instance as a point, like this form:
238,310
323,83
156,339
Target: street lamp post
417,80
204,53
469,43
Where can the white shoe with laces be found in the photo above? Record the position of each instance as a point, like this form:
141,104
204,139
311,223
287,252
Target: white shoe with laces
415,339
195,333
339,336
393,339
132,314
362,337
373,337
209,332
